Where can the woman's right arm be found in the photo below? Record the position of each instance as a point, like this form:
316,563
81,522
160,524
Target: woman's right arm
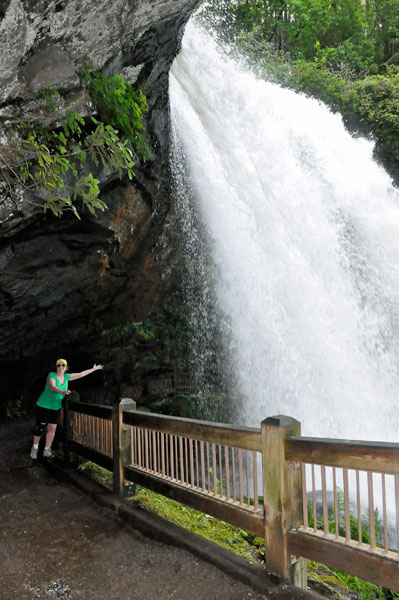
54,388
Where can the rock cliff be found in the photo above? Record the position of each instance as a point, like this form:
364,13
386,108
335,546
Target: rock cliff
62,281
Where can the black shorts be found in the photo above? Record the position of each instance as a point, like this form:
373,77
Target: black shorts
47,415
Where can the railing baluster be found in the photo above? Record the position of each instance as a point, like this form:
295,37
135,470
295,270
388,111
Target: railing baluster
202,465
255,478
247,477
171,443
188,473
147,461
220,478
190,445
176,459
162,444
155,451
182,478
324,495
196,444
90,419
167,446
233,468
97,431
336,517
314,500
159,441
240,478
397,510
171,457
371,509
136,435
214,469
359,509
149,440
139,439
220,471
304,498
226,460
346,506
132,447
384,511
209,469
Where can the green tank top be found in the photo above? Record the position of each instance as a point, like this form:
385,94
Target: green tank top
50,399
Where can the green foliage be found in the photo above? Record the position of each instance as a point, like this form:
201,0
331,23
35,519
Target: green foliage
335,578
353,520
52,163
363,36
50,98
169,329
99,474
120,105
15,408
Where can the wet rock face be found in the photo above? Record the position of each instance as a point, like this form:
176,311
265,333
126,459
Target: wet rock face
63,281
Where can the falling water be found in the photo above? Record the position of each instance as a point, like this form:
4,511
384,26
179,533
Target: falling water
303,230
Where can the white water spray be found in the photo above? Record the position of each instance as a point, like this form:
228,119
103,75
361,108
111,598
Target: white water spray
305,239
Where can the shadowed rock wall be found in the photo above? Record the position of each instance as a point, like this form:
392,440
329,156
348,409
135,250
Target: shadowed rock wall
63,281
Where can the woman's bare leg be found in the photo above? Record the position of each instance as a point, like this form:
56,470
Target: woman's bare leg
51,427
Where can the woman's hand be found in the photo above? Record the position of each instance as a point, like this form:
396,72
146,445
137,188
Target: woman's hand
96,367
65,392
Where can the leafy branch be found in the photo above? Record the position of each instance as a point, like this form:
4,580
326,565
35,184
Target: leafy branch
51,163
44,169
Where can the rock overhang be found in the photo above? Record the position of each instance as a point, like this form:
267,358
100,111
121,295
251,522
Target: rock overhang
62,281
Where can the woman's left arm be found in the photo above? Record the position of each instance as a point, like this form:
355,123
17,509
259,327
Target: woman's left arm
73,376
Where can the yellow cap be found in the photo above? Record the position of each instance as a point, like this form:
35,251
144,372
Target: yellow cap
61,361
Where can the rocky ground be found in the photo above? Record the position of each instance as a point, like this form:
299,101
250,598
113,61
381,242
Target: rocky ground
56,543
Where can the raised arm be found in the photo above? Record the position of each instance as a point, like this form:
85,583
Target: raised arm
73,376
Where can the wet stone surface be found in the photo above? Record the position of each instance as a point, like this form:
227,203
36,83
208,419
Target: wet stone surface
56,543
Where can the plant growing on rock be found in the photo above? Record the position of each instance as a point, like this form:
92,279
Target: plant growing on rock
57,164
120,105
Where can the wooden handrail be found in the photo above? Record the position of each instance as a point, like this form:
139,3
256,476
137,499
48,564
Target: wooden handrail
248,438
95,410
379,457
376,566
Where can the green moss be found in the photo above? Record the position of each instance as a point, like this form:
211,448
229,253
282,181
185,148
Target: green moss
224,534
99,474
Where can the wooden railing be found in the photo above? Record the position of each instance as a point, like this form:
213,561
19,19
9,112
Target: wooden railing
359,479
257,479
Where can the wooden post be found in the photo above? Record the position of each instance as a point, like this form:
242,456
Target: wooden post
120,445
128,405
68,458
282,492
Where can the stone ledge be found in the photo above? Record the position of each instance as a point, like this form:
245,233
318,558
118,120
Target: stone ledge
162,530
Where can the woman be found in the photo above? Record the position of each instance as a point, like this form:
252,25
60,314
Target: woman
49,403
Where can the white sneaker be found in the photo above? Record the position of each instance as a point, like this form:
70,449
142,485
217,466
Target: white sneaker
48,453
33,452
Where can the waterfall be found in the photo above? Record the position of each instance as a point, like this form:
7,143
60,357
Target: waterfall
303,230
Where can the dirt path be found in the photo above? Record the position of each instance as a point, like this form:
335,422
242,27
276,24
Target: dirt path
56,543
